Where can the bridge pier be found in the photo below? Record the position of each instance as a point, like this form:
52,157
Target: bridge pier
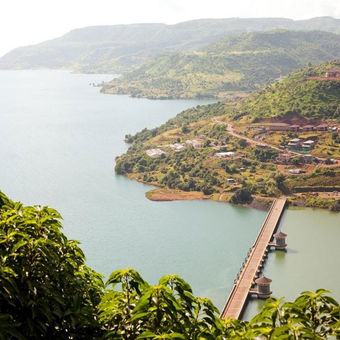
263,288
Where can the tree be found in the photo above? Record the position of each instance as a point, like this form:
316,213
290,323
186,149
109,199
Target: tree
167,310
46,290
297,160
207,190
242,143
335,206
265,154
241,196
185,129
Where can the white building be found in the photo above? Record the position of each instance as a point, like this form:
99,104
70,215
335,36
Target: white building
308,144
177,147
225,154
295,171
155,153
196,143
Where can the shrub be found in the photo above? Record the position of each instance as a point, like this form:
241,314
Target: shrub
241,196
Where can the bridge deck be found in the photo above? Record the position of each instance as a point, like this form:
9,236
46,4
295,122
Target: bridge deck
240,291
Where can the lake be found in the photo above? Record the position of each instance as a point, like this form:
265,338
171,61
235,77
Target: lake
312,259
59,139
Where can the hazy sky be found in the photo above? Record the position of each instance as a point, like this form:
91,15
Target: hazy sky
24,22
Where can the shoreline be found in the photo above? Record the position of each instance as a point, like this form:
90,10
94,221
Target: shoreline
258,203
163,194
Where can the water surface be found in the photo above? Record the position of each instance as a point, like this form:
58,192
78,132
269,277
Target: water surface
312,260
59,138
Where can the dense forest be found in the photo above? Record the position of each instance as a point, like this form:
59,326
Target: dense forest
118,48
236,63
48,292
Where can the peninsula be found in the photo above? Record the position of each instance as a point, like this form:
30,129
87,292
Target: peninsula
282,139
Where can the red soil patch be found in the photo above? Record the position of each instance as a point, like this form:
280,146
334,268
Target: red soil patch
295,119
164,194
324,78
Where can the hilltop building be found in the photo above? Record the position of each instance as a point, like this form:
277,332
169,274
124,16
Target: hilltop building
155,153
308,144
177,147
333,73
196,143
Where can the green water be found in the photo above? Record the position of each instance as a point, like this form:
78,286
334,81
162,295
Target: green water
59,138
312,259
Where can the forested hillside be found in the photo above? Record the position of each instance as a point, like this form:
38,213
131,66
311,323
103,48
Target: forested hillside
297,94
119,48
243,62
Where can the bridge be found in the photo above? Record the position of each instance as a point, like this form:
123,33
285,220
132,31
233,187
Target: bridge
253,263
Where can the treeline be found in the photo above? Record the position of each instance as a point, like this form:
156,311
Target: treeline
183,171
200,112
47,292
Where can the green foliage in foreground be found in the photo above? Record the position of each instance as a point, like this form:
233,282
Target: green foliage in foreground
47,292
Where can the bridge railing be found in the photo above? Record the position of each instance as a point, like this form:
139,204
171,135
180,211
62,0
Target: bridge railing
246,260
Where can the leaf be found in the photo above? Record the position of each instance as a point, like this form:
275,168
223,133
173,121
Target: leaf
146,335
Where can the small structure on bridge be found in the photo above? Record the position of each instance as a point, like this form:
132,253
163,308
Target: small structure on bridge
280,241
263,288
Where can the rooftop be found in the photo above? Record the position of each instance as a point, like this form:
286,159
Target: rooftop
263,280
279,124
154,153
280,234
309,142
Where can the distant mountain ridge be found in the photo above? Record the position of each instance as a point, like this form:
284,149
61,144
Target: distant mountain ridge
119,48
242,62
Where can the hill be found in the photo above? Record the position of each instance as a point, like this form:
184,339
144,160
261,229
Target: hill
242,62
118,48
297,94
233,153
